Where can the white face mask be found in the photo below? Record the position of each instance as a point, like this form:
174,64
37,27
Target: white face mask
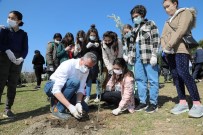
83,69
127,35
11,23
56,41
81,39
92,37
118,72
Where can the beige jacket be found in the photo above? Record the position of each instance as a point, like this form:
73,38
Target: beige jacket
181,22
109,55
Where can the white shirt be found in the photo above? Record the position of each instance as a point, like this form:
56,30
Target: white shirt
67,70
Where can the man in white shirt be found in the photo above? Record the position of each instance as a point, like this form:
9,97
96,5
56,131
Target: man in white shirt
67,84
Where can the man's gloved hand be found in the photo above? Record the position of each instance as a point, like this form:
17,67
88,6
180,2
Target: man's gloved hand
10,55
153,60
74,111
79,108
89,45
116,111
19,61
125,57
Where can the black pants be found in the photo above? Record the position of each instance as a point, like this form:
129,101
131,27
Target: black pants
38,74
111,97
9,75
198,67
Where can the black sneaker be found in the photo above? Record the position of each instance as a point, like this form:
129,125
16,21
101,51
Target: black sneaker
151,108
8,114
37,87
141,107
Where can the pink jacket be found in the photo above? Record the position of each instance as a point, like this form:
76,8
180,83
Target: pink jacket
127,93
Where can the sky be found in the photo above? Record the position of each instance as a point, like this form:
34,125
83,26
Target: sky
43,18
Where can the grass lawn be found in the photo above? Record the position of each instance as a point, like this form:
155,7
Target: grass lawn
31,106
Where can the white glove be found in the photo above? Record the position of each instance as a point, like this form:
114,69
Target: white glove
79,108
19,61
107,88
10,55
77,48
89,45
125,57
74,111
169,52
110,72
96,44
153,60
116,111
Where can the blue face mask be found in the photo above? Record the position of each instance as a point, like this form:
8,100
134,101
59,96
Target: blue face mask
92,38
137,20
127,35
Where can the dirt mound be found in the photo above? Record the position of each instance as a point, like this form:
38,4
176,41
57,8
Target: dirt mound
88,125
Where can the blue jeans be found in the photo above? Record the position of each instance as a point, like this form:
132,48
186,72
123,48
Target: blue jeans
144,74
69,91
88,87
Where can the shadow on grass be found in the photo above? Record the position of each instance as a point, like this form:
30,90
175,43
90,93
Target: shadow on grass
25,115
164,99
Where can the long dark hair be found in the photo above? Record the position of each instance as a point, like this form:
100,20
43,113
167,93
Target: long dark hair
66,42
82,34
126,72
94,30
114,38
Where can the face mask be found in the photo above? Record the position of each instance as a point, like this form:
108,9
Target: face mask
11,23
81,39
109,44
137,20
127,35
118,72
92,38
56,41
84,69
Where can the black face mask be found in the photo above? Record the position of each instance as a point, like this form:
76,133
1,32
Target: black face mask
109,44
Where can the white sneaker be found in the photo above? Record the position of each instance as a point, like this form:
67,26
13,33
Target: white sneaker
196,111
96,100
87,98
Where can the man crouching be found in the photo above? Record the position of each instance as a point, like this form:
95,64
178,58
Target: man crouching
67,85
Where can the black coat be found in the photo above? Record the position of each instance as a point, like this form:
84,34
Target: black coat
38,61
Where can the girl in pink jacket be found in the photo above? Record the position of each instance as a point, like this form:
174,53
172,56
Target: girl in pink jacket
120,87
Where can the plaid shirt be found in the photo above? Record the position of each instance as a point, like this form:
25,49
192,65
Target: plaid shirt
149,41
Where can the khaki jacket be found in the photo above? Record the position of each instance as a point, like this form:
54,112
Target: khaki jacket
181,22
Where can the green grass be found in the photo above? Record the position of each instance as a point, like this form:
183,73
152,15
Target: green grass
30,104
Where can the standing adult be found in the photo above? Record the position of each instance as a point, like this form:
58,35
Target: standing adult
146,68
51,54
198,61
38,62
181,21
13,51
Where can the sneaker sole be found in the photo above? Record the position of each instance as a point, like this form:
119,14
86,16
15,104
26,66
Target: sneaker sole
141,109
54,116
5,116
152,111
180,112
195,116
